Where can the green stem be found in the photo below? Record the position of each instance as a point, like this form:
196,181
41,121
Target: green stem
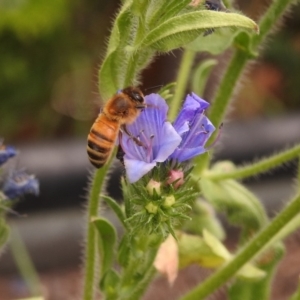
256,168
147,271
91,243
246,254
226,88
24,263
181,81
143,284
270,17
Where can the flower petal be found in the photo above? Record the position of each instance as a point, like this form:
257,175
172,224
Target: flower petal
187,153
136,169
170,139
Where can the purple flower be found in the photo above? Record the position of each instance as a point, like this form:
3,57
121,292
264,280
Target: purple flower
193,127
159,139
6,152
20,183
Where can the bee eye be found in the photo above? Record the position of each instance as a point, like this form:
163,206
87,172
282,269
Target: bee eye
137,97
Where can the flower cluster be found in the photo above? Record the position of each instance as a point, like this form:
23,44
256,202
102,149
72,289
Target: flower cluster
14,183
157,169
163,141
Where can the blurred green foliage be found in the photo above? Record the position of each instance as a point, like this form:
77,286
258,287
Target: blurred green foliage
42,41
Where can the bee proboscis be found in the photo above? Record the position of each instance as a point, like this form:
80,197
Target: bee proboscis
122,109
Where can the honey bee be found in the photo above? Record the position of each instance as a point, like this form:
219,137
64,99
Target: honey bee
122,109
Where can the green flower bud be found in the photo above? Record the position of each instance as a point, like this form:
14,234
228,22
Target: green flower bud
151,208
169,201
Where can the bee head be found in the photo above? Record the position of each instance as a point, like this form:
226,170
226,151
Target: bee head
135,95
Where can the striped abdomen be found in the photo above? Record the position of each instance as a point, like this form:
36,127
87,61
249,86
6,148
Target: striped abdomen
101,140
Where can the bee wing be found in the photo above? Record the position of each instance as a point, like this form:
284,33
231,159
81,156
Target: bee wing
71,95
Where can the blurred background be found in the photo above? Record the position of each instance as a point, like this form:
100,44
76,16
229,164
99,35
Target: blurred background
50,52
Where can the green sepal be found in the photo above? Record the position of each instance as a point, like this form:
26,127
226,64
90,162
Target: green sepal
258,289
201,75
116,208
180,30
241,206
109,284
167,91
106,242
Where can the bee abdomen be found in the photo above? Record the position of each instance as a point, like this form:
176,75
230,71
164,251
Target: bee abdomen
101,143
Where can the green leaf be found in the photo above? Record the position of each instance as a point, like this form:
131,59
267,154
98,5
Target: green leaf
111,68
194,249
109,284
240,205
107,239
201,75
204,217
180,30
166,11
215,43
116,208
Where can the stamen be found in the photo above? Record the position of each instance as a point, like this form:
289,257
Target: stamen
193,128
150,149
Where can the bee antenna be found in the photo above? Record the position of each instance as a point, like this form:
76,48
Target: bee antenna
153,87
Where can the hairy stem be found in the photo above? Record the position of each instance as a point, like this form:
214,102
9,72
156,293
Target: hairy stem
270,17
181,81
226,88
256,168
91,239
246,254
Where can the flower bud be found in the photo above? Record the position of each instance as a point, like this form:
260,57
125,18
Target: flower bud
151,208
169,201
178,176
153,185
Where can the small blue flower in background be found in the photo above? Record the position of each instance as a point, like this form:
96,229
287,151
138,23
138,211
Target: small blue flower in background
20,183
6,152
162,141
194,128
158,136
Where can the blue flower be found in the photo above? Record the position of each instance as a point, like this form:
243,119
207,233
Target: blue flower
158,137
193,127
20,183
6,152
